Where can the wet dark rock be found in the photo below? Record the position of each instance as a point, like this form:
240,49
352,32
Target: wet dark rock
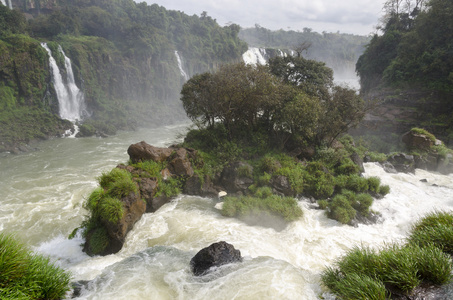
358,161
143,151
77,288
282,185
402,162
424,180
215,255
414,140
389,168
195,186
232,178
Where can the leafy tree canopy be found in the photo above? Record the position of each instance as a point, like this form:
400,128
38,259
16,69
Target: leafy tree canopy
293,101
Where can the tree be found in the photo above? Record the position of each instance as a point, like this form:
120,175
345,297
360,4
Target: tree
312,77
302,105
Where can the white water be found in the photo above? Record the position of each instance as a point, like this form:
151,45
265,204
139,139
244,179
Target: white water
181,69
70,98
254,56
7,3
42,194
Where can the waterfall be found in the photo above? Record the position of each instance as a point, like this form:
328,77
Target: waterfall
70,98
181,69
7,3
254,56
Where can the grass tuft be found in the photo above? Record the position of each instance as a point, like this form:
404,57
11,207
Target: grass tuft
27,275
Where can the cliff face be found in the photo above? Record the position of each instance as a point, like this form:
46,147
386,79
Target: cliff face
130,60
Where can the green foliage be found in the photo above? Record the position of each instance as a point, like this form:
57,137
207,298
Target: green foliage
384,190
347,167
26,275
99,240
401,267
374,184
319,183
425,259
363,203
357,183
425,133
341,209
353,286
245,206
440,235
111,209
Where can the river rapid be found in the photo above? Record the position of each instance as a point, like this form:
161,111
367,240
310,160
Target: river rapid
42,193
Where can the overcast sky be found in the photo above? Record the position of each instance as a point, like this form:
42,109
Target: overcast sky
346,16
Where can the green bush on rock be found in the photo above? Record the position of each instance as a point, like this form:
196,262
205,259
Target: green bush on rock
247,206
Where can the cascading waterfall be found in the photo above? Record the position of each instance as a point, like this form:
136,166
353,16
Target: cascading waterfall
7,3
181,69
254,56
70,98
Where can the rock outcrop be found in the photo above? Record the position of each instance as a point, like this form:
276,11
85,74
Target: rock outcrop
215,255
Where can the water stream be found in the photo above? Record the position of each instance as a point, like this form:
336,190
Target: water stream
42,194
70,98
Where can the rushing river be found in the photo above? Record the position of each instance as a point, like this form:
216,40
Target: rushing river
42,192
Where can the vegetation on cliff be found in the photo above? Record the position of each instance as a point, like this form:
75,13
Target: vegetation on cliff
123,58
27,275
396,270
409,66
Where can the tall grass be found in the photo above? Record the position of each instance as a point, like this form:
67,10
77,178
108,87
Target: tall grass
27,275
363,272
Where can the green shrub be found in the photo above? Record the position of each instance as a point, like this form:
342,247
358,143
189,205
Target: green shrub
263,192
285,207
377,157
319,183
340,182
269,164
26,275
295,175
93,200
106,179
170,187
322,204
374,184
357,183
347,167
111,209
245,171
122,186
341,209
384,190
99,240
149,166
363,203
264,179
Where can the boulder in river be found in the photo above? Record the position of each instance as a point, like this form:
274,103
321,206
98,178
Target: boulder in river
215,255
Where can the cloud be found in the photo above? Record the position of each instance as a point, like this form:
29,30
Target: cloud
350,16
